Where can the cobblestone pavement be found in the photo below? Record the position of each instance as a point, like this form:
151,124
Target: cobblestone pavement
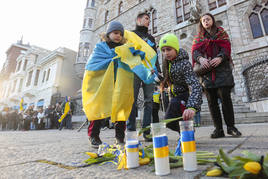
19,151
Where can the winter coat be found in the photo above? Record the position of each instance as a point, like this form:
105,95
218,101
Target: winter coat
223,72
182,77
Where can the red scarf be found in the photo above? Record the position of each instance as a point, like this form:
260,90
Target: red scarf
205,46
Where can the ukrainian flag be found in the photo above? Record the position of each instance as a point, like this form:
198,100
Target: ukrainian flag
21,104
107,89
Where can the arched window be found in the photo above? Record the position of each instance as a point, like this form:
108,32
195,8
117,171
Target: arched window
182,10
86,50
120,8
80,49
48,73
90,22
152,29
258,20
154,21
264,17
92,3
106,16
213,4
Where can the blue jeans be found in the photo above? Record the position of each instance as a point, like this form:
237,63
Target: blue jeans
148,104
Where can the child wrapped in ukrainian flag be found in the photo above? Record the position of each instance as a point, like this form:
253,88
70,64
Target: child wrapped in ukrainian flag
107,89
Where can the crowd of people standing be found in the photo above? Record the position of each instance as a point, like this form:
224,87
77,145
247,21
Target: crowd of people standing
31,118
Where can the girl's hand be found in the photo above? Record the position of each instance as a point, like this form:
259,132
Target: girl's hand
188,114
204,62
215,61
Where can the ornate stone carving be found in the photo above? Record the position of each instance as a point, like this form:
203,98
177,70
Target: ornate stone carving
195,11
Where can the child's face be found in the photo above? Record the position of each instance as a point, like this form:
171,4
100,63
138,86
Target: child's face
207,22
116,36
169,53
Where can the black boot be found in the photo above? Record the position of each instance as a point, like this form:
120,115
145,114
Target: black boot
233,131
217,133
95,141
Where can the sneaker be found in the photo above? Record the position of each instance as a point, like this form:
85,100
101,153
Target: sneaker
104,128
95,142
217,134
233,132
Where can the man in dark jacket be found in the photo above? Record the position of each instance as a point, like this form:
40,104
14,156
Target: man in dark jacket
142,24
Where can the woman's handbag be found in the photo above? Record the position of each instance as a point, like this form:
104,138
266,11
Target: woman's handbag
200,70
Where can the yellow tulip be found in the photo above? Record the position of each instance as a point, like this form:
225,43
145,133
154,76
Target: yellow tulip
144,161
214,172
92,155
252,167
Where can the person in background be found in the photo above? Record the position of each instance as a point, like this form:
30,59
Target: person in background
40,117
57,114
213,43
68,117
142,24
197,119
156,104
48,116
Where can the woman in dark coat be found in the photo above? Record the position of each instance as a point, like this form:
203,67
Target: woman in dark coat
212,50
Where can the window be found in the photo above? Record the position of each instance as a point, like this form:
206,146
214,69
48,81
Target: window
92,3
48,73
25,64
14,86
213,4
264,17
36,77
106,16
154,21
20,85
80,52
29,78
18,68
152,29
44,75
85,23
86,50
182,10
120,8
90,22
258,20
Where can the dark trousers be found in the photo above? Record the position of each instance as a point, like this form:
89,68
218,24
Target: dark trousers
174,110
68,121
224,94
156,107
148,104
95,126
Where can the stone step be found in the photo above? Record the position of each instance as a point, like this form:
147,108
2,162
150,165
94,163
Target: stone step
248,120
236,109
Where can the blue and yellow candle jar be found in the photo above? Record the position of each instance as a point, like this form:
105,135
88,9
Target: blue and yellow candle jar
161,150
132,149
188,145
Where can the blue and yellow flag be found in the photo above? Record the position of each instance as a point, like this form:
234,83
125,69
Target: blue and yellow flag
107,89
66,110
21,104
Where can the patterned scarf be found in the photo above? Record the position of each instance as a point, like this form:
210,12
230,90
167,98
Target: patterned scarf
205,46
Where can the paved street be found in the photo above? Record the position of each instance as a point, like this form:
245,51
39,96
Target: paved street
19,151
